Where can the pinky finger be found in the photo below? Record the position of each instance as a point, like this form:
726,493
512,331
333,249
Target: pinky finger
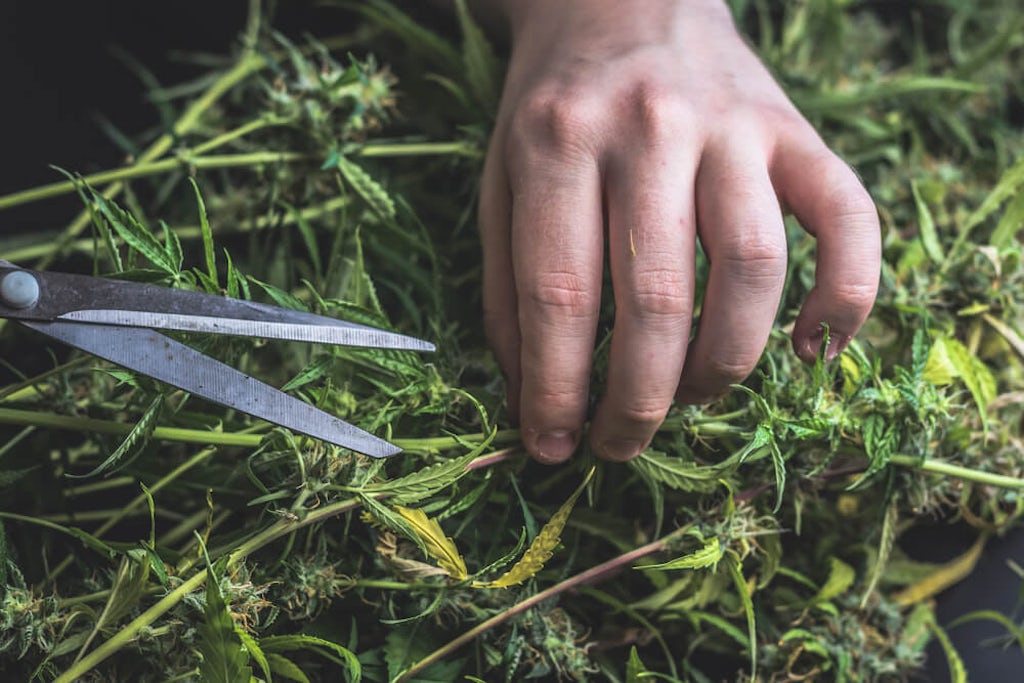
829,201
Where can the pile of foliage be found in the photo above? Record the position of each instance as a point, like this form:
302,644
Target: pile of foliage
147,535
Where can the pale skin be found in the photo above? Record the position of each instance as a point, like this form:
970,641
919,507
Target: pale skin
643,126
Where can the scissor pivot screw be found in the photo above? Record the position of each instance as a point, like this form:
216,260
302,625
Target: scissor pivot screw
19,289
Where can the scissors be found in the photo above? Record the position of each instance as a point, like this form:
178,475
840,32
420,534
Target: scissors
117,321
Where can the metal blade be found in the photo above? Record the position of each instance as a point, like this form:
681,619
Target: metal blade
162,358
322,333
64,296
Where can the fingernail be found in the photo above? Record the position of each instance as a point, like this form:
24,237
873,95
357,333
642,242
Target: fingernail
620,449
555,446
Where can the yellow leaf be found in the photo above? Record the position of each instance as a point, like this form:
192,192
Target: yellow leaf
942,578
439,546
540,551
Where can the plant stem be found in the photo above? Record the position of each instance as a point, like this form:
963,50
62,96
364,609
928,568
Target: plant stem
188,232
87,424
595,574
959,472
151,168
186,160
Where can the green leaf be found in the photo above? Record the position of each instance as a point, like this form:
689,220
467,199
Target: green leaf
926,228
133,443
736,572
950,359
253,649
1011,182
706,556
674,472
957,671
225,659
885,545
134,233
366,187
634,667
286,668
427,481
290,643
483,71
840,577
207,234
1010,223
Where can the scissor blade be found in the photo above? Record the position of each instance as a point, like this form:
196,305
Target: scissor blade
346,334
65,296
167,360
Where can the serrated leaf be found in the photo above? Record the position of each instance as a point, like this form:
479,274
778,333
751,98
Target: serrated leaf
634,667
707,555
953,359
366,187
224,658
840,577
209,254
392,520
301,641
885,545
133,233
440,547
943,577
1011,182
483,71
743,589
129,584
133,443
543,547
926,227
1010,223
426,482
675,472
286,668
957,671
254,650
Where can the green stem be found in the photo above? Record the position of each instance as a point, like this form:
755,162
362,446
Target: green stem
187,161
189,232
240,132
86,424
593,575
959,472
151,168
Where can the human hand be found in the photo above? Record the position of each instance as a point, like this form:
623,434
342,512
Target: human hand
653,122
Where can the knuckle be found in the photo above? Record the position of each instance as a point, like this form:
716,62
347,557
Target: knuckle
643,414
563,294
661,112
556,398
853,297
755,258
660,293
552,121
731,368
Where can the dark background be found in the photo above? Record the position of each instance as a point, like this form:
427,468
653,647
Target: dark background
59,75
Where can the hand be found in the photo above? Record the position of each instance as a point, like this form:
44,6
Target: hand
653,122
